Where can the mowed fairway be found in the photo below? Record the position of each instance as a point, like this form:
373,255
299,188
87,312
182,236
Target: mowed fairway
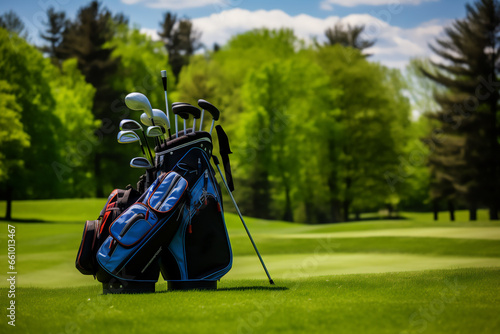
382,276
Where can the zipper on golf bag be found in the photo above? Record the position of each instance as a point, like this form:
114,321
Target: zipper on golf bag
137,236
96,231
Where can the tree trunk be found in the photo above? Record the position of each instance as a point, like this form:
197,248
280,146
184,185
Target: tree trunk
288,214
8,210
357,215
260,195
435,208
493,213
345,205
451,208
99,191
472,212
335,212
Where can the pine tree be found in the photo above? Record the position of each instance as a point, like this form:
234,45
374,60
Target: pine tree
56,24
85,39
467,155
348,37
11,22
180,39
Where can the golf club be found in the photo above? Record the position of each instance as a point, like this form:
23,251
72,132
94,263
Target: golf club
189,109
216,161
176,128
205,105
164,80
131,125
159,118
127,137
154,131
138,101
139,162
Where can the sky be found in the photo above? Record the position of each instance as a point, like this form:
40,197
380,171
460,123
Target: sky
402,28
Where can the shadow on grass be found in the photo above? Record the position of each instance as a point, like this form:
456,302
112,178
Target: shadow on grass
242,288
263,288
18,220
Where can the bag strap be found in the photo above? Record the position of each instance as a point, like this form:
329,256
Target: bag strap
129,194
224,151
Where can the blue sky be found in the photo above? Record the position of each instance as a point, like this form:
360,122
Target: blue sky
402,28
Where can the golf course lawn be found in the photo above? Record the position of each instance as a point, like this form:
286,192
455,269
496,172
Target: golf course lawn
412,275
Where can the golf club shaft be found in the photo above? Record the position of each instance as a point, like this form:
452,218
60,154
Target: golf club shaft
212,127
157,141
201,120
245,225
147,144
185,133
176,128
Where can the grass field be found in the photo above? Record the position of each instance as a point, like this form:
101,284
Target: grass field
383,276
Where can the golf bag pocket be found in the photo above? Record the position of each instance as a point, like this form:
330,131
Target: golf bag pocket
200,250
137,236
85,259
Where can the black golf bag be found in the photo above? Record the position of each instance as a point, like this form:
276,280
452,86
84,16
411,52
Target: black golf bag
174,225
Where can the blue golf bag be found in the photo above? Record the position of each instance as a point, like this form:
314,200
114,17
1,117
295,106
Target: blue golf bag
175,227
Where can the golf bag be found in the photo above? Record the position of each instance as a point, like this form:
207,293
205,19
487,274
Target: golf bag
175,227
96,231
200,252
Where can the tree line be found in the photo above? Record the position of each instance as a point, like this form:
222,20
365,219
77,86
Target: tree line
320,133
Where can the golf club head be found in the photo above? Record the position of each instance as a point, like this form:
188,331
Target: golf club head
154,131
130,125
138,101
159,118
126,137
140,162
205,105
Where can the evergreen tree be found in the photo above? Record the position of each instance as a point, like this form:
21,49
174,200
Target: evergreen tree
56,24
467,156
86,40
180,39
11,22
348,37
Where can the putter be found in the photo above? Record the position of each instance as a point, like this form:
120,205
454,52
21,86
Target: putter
138,101
216,161
131,125
127,137
205,105
164,80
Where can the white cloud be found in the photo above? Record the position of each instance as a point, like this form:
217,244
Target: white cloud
153,33
394,45
178,4
328,4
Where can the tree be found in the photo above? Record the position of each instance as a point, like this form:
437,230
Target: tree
24,68
73,97
467,157
56,25
13,141
373,116
348,37
180,39
87,39
11,22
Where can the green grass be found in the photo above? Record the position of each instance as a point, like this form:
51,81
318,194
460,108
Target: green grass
383,276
